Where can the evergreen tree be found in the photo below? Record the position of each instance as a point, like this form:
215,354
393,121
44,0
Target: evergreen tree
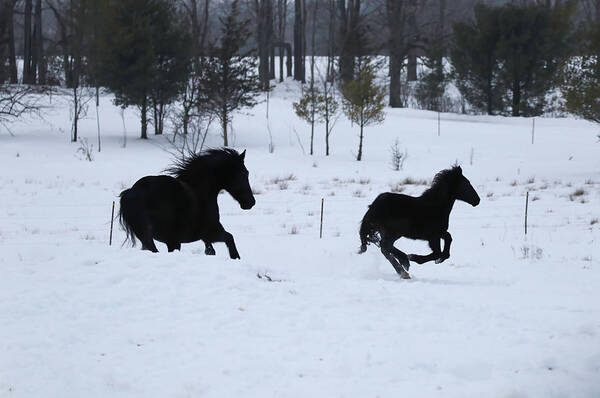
432,85
474,59
534,42
141,54
582,84
364,99
230,81
510,56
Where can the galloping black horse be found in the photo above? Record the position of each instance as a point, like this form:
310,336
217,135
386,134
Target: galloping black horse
182,207
392,216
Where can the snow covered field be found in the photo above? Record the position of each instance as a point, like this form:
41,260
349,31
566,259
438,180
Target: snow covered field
505,316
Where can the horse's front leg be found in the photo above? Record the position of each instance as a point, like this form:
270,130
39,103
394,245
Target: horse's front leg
220,235
446,252
435,254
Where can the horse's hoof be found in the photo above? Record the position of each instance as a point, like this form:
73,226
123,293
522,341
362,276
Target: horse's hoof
209,251
405,276
441,260
363,248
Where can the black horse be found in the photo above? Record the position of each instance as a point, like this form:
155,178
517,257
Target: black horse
182,207
392,216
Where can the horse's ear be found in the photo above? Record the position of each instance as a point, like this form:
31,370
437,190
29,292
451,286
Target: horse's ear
243,155
459,169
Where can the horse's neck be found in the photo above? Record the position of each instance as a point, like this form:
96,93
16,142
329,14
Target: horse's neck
444,202
205,186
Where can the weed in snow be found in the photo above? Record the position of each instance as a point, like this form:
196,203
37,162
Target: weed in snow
577,193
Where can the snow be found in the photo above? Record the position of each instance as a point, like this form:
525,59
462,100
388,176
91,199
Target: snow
507,315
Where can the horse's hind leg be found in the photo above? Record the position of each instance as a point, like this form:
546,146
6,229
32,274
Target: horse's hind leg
173,246
148,244
398,259
145,236
209,250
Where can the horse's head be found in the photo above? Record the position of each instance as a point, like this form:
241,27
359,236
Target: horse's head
237,183
464,190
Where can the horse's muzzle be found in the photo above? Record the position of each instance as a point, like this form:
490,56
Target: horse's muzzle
247,205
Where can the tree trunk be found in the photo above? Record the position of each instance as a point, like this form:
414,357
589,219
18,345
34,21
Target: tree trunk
326,126
224,125
161,117
272,62
75,114
265,35
281,18
288,49
12,56
411,74
489,95
27,73
299,70
155,117
38,48
224,119
312,77
331,42
395,81
281,54
440,38
144,119
350,37
516,97
360,144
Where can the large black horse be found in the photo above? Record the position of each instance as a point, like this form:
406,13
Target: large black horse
182,207
392,216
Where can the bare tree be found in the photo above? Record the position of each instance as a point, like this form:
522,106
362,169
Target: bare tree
299,40
264,12
28,74
401,15
281,25
81,97
17,101
7,42
350,37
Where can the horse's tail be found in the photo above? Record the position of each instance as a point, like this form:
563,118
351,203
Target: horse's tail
124,210
368,231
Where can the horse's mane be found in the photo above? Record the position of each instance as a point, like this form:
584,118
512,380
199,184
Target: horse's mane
195,164
442,181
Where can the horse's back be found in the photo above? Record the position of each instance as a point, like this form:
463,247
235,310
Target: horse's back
392,202
160,201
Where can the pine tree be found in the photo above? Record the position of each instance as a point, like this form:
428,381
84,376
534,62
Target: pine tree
432,85
509,58
474,59
364,99
141,54
534,42
582,83
230,81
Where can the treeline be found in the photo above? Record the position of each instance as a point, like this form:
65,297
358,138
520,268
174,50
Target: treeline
214,57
